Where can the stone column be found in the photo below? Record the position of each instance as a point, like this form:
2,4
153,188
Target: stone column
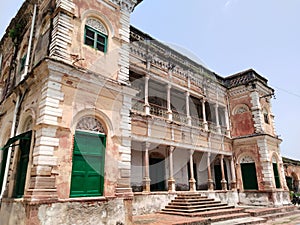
187,104
169,86
171,181
204,115
209,181
223,181
146,183
147,106
227,122
217,118
233,176
192,180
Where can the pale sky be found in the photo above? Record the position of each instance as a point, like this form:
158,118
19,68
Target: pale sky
230,36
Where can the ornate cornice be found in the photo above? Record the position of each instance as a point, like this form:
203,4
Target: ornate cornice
127,5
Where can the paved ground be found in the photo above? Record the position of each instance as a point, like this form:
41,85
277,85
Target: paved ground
162,219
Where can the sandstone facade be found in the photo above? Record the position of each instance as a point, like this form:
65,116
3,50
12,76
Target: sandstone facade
99,121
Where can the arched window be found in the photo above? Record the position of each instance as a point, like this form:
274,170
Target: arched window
266,116
88,158
95,35
248,171
239,109
276,173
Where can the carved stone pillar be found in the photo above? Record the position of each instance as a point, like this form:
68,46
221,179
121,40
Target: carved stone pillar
227,122
169,102
217,118
210,182
233,176
187,103
204,115
171,181
192,180
147,106
146,182
223,181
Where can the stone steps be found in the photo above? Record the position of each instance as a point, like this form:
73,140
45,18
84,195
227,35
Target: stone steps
193,204
273,213
267,211
196,206
241,221
193,212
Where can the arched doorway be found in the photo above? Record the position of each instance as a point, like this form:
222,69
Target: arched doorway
87,177
248,171
295,182
276,173
157,172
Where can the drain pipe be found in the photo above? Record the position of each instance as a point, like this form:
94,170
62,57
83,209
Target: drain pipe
12,134
30,43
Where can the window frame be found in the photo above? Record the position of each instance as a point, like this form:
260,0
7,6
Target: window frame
95,38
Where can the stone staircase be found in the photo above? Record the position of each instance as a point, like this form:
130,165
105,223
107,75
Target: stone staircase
273,213
217,213
187,204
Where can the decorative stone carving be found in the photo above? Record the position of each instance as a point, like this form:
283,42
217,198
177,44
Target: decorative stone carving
97,25
90,124
241,109
247,159
127,5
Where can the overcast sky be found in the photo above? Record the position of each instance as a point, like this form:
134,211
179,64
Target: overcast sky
230,36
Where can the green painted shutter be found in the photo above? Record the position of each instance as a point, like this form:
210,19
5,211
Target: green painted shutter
88,165
276,175
3,166
22,168
249,176
24,148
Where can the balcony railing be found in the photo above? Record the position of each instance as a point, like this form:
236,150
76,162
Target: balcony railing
197,122
179,117
212,127
158,110
138,105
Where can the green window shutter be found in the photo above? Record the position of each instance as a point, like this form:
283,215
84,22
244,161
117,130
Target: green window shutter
276,175
95,39
3,166
22,167
88,164
24,148
22,62
249,176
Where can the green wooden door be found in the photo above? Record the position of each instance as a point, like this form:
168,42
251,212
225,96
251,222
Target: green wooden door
249,176
276,175
88,164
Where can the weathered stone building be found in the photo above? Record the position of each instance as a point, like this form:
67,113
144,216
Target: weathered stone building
292,173
100,121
